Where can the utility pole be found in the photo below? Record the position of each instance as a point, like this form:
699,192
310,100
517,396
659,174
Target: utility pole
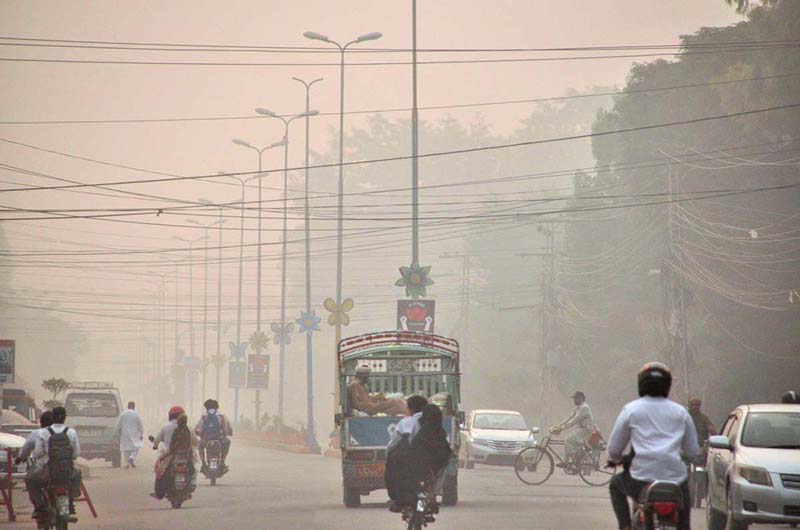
678,354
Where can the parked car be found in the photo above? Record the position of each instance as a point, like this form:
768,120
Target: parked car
14,423
754,468
13,442
92,410
494,437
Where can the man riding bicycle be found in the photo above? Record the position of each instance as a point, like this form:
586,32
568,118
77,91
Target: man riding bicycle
582,425
660,432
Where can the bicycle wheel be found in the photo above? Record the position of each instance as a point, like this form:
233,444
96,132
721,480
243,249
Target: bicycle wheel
592,470
533,465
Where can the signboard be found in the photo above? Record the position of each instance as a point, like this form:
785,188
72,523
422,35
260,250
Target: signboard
258,371
237,373
7,355
416,315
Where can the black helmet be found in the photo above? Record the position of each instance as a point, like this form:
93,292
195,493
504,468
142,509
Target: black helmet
655,380
790,397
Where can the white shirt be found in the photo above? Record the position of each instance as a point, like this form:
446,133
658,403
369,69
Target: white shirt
659,431
130,430
41,452
29,445
409,425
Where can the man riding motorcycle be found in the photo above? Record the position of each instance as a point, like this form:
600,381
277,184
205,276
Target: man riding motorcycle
213,426
185,444
660,431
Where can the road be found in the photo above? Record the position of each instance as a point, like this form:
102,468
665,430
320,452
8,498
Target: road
272,490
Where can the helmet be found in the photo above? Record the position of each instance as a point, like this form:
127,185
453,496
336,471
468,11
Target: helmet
175,411
654,380
790,397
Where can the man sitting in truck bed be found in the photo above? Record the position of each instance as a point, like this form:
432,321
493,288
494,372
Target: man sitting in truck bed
360,399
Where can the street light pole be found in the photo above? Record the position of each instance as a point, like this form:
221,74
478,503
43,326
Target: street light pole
191,315
311,438
284,333
340,190
260,152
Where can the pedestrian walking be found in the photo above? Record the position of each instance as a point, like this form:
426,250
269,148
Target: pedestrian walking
130,432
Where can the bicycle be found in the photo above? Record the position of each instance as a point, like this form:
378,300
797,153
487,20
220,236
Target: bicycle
534,465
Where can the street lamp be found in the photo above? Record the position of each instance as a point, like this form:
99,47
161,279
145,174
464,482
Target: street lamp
309,317
284,329
205,298
260,152
191,243
340,209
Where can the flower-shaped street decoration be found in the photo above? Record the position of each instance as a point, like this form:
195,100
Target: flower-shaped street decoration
308,322
415,279
238,352
338,313
259,341
282,332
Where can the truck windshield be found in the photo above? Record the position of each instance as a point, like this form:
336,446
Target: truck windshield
92,405
507,422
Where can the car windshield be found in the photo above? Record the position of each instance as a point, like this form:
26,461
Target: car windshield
772,429
92,404
509,422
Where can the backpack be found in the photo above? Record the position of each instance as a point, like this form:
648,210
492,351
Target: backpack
60,455
212,429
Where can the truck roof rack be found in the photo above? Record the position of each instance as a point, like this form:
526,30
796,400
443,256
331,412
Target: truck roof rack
92,385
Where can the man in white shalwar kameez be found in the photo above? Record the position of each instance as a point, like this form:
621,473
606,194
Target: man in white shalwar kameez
130,431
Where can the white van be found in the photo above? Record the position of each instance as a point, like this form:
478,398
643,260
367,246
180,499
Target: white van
92,410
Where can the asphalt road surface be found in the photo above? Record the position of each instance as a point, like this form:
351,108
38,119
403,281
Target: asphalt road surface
272,490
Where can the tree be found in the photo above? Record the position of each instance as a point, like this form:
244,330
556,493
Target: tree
55,386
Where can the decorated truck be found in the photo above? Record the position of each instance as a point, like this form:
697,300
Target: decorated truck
402,363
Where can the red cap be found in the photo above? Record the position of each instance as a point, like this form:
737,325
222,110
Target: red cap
175,411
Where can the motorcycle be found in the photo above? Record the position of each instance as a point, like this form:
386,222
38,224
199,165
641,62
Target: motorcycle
698,478
658,507
179,489
424,510
56,508
214,468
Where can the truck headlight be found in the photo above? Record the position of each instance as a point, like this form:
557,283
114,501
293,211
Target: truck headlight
755,475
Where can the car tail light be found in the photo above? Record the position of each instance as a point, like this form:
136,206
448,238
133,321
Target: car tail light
664,508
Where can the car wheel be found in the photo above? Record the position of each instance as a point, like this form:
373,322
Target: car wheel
715,519
731,523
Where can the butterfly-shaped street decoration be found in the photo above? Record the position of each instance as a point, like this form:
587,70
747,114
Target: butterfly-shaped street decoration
308,322
415,279
259,341
282,332
238,352
338,313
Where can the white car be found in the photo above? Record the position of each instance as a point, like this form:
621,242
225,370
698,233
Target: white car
495,437
754,468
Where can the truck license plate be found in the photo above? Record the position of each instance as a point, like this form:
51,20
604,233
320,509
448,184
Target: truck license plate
369,470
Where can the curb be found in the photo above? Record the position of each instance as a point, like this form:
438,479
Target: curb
288,448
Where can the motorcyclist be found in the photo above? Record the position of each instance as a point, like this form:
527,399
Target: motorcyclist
659,431
56,446
582,424
790,397
178,439
213,426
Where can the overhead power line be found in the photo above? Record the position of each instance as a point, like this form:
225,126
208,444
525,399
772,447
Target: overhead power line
406,109
527,143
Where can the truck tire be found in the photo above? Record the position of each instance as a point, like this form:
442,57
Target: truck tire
351,497
116,458
450,490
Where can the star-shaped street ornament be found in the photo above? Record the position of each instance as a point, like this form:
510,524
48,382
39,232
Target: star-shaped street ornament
308,322
415,279
338,313
259,341
282,332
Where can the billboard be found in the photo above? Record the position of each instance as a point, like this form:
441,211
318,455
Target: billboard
237,373
416,315
7,358
258,371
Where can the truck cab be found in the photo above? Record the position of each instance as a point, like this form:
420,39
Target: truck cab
402,364
92,410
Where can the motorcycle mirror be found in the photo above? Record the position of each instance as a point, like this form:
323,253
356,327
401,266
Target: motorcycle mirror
535,430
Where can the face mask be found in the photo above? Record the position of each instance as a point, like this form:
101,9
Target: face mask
212,411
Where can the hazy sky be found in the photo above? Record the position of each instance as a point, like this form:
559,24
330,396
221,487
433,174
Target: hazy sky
48,91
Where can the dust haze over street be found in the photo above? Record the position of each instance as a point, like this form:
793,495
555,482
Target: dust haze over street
573,228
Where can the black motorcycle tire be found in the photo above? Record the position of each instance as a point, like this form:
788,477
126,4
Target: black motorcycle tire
213,479
62,523
414,522
176,504
450,490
